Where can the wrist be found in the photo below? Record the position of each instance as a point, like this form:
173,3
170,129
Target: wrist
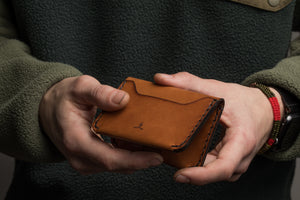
277,107
290,121
280,102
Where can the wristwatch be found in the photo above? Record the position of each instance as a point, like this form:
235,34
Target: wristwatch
290,127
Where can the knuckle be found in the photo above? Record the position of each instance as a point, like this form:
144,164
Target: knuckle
183,75
70,145
228,173
82,166
243,170
109,165
248,136
96,91
82,80
104,91
214,82
235,178
77,165
133,166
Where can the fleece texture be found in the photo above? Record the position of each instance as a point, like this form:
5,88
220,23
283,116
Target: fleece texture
22,87
111,40
279,77
114,40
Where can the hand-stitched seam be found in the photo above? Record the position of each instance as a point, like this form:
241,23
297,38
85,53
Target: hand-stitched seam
197,125
208,136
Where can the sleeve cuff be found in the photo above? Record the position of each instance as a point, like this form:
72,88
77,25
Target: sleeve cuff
286,76
22,136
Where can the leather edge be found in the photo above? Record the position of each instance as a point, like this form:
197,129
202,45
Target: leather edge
209,136
215,104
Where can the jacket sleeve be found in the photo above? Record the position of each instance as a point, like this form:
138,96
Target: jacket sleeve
23,81
286,75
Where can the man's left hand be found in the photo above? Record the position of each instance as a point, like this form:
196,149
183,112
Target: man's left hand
248,118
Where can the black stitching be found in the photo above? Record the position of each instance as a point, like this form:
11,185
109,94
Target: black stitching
208,136
196,126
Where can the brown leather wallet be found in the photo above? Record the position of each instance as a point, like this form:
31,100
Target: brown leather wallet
177,123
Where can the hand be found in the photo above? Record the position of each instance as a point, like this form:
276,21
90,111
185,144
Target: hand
248,117
66,113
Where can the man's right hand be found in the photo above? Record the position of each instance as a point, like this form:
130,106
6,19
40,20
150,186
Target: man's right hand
66,113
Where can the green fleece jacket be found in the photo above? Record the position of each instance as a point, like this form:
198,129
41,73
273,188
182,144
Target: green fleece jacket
134,39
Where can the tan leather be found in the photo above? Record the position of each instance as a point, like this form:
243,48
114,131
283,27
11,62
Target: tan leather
269,5
175,122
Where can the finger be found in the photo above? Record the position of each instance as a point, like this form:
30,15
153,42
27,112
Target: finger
90,91
220,169
120,160
108,158
85,166
240,170
213,154
209,158
124,160
188,81
235,177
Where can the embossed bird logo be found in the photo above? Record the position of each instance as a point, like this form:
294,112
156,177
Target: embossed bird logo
140,126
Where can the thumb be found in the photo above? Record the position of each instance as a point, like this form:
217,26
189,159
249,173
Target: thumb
91,92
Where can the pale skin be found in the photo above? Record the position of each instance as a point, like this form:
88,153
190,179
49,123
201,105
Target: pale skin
68,108
248,118
66,113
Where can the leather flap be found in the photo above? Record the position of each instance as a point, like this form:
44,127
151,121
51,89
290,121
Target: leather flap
172,94
269,5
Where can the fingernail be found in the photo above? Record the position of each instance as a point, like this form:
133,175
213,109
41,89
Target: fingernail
119,96
182,179
155,162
